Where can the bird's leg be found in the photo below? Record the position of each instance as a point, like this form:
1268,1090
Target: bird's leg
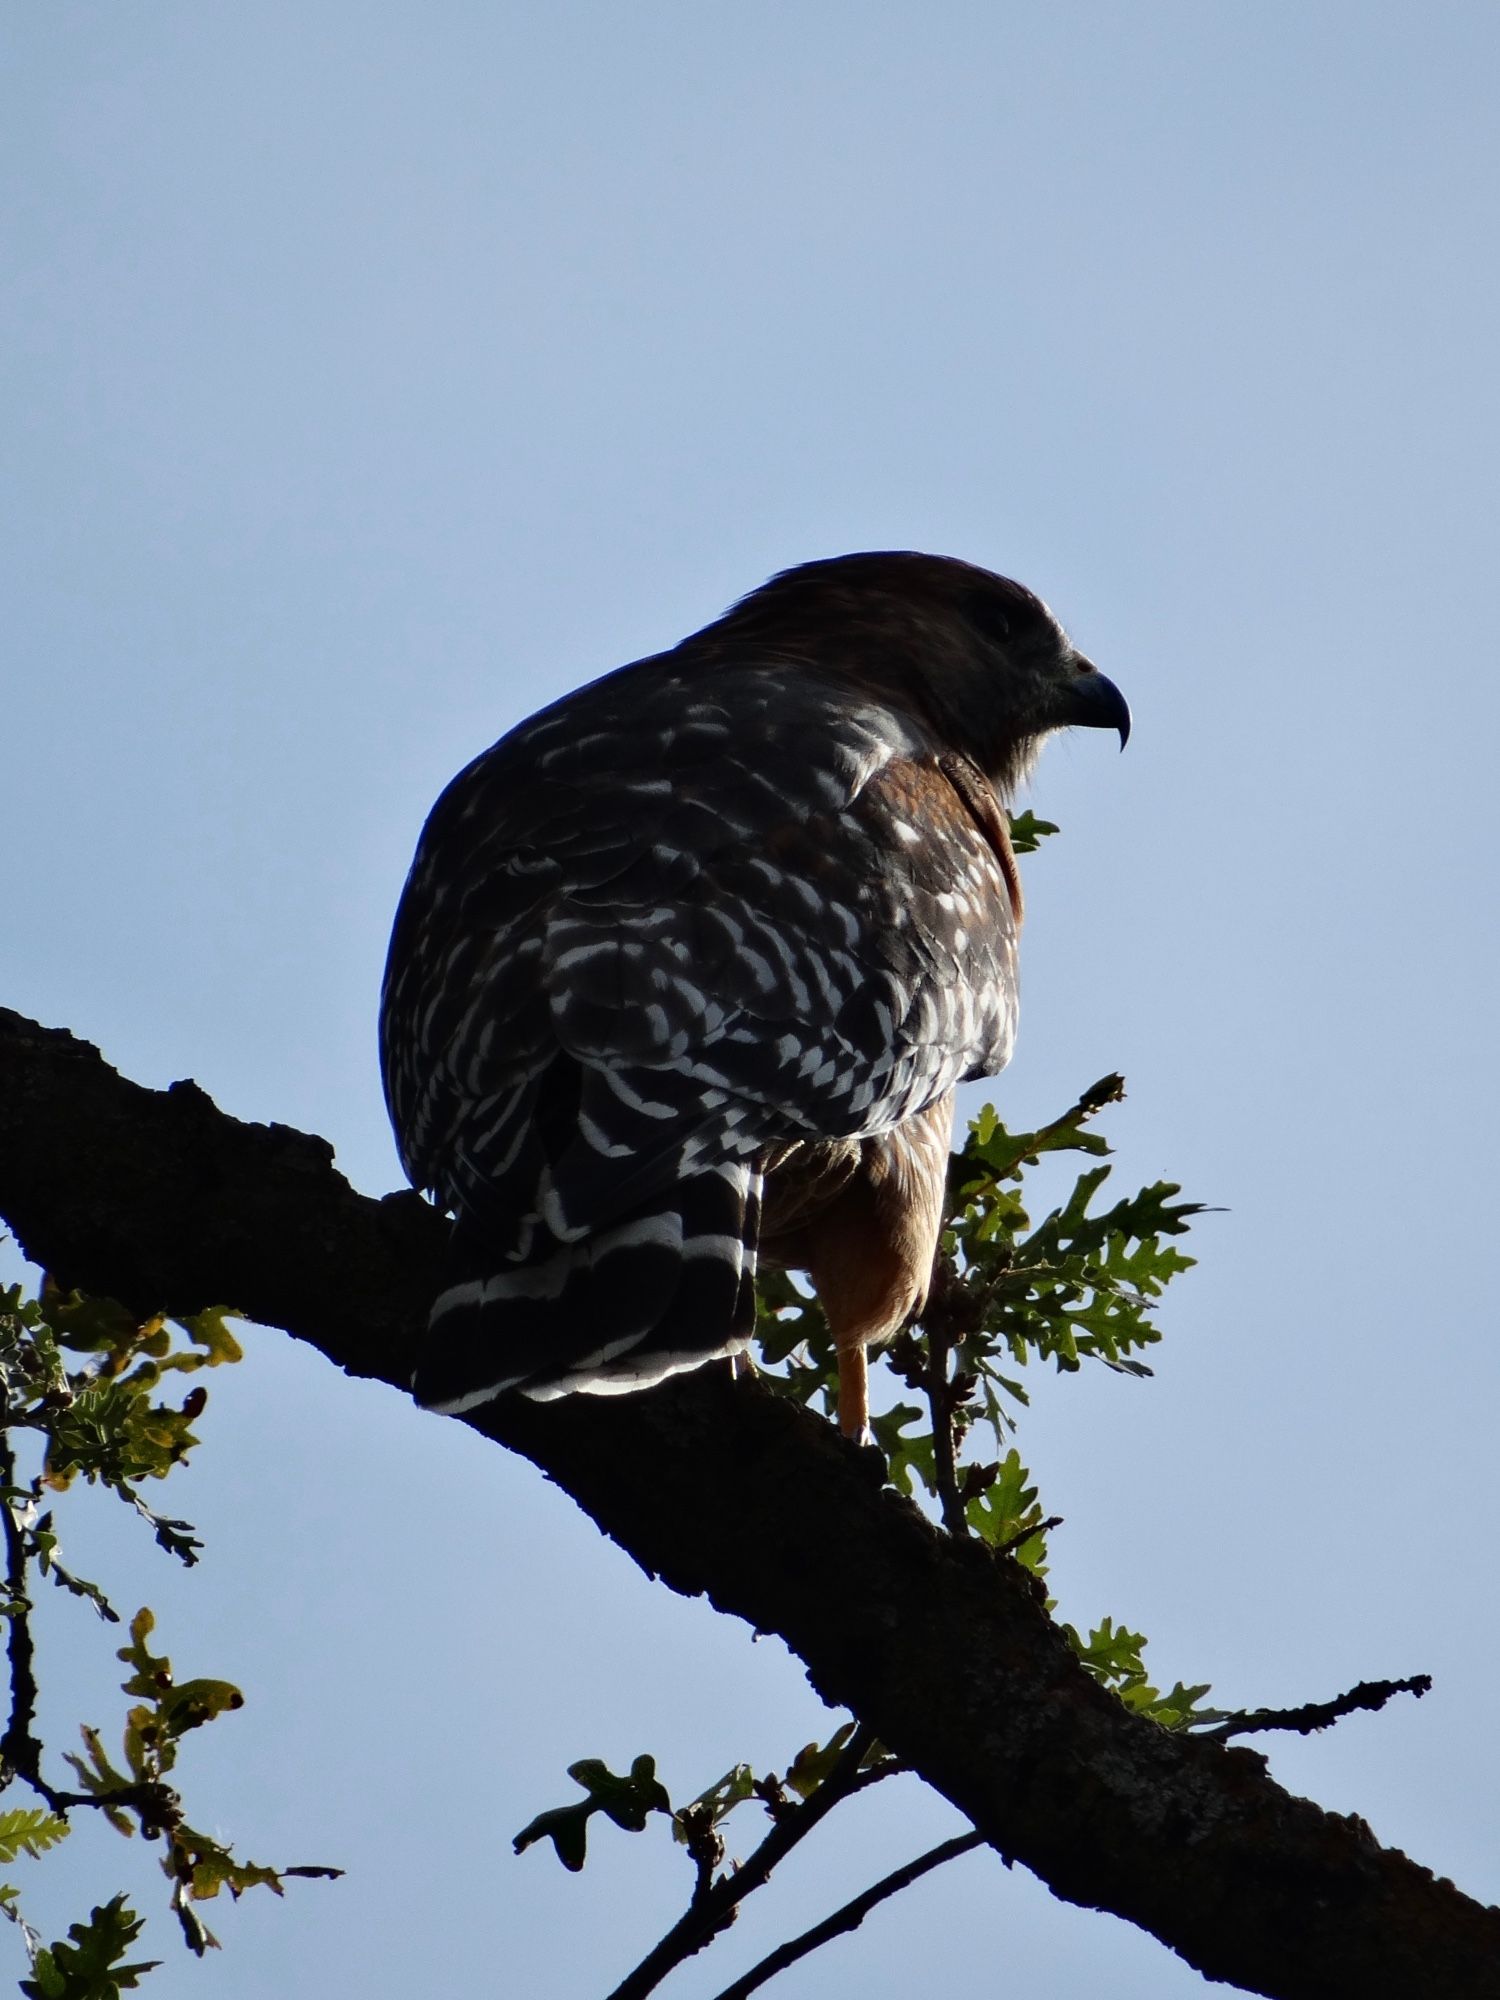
854,1392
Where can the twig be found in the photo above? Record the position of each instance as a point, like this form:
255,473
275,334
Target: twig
20,1752
851,1916
944,1456
940,1400
1041,1528
1316,1714
707,1914
705,1846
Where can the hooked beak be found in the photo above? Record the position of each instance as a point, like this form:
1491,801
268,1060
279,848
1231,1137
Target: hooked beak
1094,702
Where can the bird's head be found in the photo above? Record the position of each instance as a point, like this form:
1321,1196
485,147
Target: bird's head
980,657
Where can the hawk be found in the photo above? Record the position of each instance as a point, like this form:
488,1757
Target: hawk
688,966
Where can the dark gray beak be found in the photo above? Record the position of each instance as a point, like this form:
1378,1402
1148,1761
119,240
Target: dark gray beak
1094,702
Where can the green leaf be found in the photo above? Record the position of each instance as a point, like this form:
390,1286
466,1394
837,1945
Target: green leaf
113,1433
196,1935
208,1866
627,1801
43,1543
794,1339
46,1983
153,1674
97,1775
102,1422
195,1702
92,1325
31,1831
566,1827
200,1867
1005,1508
814,1761
1115,1656
1002,1153
209,1331
907,1457
1080,1286
716,1803
91,1968
1027,832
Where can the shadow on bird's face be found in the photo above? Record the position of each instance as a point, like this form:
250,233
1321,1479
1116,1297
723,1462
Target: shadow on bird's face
1024,680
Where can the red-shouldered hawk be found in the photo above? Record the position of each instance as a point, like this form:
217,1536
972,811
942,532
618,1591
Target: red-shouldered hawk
689,964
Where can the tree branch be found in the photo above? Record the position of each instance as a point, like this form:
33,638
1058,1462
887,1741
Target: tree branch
709,1913
20,1752
941,1397
1313,1715
850,1916
941,1646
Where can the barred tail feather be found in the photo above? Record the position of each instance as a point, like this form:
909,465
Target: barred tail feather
668,1287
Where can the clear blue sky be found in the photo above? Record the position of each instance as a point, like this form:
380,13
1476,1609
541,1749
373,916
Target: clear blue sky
375,373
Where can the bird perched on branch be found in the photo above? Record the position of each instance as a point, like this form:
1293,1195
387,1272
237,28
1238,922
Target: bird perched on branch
688,966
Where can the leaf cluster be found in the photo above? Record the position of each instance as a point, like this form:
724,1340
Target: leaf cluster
1113,1656
629,1801
103,1418
1079,1286
85,1391
92,1966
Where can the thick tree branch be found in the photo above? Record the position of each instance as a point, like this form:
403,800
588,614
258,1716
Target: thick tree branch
940,1645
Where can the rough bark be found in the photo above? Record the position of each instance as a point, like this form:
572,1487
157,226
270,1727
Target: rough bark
942,1646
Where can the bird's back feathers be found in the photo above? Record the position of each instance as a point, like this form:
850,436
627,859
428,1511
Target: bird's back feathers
728,901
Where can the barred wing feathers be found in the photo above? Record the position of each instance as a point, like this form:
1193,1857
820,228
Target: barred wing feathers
663,931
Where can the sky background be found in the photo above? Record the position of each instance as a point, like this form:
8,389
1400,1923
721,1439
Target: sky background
376,373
